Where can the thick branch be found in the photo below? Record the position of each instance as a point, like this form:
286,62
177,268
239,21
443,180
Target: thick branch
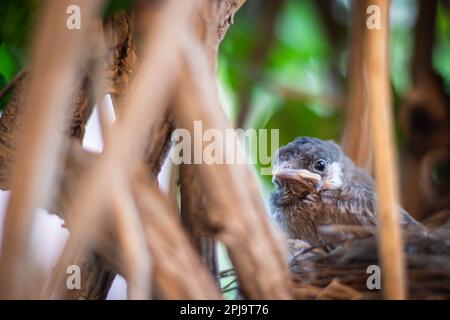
234,216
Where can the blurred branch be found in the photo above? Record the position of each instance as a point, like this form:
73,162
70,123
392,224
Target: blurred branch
78,160
127,139
116,36
56,53
70,165
120,57
121,61
379,100
119,47
178,273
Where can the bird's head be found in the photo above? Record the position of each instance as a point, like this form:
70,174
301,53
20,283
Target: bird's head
308,165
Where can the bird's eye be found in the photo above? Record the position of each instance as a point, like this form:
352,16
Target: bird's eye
320,165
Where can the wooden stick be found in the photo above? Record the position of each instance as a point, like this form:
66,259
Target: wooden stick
379,98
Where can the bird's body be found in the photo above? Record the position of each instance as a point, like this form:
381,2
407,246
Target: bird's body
317,185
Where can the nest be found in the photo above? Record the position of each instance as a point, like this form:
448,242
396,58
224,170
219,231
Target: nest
342,273
338,268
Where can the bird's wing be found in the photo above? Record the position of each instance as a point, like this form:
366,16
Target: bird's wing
409,222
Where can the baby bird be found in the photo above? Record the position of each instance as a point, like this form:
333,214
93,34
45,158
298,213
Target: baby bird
317,185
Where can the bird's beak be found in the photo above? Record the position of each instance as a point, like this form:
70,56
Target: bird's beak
302,176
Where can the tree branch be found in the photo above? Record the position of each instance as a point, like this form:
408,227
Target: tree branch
56,54
233,218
